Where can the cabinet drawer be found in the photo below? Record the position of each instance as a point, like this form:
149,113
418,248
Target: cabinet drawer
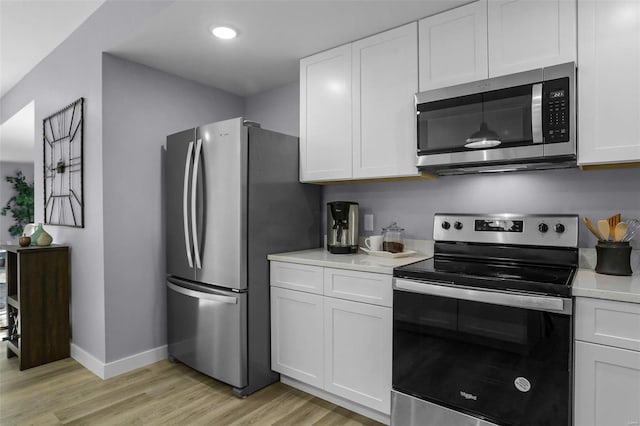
296,277
608,322
358,286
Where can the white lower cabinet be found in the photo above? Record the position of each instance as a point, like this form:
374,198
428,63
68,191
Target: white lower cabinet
607,378
334,341
296,335
607,386
357,352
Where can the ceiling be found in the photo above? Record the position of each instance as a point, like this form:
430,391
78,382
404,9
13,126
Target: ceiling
30,30
272,37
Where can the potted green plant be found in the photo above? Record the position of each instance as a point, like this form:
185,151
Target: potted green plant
21,204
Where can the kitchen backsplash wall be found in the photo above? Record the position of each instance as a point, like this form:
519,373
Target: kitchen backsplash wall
595,194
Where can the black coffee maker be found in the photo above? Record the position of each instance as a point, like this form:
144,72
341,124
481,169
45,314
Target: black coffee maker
342,227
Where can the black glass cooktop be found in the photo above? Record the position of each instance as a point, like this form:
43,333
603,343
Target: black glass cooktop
506,276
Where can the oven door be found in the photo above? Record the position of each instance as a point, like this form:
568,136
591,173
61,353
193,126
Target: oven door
502,357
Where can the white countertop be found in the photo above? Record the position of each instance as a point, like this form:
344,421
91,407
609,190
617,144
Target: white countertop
356,262
588,283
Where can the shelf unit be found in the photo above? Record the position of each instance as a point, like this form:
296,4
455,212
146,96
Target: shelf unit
37,304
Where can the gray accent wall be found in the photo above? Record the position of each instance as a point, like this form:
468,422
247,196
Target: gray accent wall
596,194
71,71
6,192
141,106
277,109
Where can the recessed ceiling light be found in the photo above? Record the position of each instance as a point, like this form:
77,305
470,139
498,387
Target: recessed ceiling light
225,33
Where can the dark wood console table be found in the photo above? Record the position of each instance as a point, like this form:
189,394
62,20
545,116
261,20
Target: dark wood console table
37,304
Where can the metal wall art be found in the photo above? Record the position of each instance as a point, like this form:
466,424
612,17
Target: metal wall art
62,135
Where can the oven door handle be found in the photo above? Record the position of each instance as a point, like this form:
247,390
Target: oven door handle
539,303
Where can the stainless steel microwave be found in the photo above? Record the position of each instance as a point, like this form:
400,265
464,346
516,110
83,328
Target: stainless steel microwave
520,121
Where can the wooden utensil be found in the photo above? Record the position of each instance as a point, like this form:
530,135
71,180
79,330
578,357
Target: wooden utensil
592,228
613,221
621,230
603,227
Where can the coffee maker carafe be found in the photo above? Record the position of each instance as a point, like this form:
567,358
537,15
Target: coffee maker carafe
342,227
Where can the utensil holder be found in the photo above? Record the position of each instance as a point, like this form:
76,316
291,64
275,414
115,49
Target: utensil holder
614,258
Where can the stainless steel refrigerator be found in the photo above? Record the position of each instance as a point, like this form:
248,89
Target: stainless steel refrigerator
232,196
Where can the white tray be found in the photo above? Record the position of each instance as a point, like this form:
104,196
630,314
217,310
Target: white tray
388,254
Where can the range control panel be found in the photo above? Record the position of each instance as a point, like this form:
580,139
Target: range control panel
506,228
555,110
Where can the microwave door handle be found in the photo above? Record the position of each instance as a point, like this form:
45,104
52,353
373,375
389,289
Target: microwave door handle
536,113
194,194
541,303
185,204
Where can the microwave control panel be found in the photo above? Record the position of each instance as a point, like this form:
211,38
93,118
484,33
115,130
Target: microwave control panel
555,110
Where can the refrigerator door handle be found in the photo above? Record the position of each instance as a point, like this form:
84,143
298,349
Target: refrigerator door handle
212,295
185,204
194,194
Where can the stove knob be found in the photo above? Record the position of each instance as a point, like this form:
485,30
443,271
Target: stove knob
543,227
559,228
446,225
458,225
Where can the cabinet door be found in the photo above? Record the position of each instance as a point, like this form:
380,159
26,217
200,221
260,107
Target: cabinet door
453,47
385,78
358,352
325,115
609,87
607,385
528,34
297,335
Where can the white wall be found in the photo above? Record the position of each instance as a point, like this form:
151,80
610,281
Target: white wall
6,192
141,106
73,70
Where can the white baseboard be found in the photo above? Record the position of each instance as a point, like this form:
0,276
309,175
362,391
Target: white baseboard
142,359
123,365
334,399
87,360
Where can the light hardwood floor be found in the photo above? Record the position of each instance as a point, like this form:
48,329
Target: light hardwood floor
64,392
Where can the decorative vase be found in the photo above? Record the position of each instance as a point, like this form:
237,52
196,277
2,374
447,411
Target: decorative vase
24,241
40,237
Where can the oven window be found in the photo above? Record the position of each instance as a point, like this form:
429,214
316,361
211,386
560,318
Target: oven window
509,365
445,126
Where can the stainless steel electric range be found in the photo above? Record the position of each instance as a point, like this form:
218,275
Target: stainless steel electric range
482,332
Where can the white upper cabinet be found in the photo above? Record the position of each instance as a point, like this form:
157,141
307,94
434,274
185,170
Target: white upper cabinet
325,115
385,78
357,116
609,82
493,38
527,34
453,47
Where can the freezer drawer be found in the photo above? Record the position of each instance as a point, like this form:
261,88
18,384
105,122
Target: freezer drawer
207,330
